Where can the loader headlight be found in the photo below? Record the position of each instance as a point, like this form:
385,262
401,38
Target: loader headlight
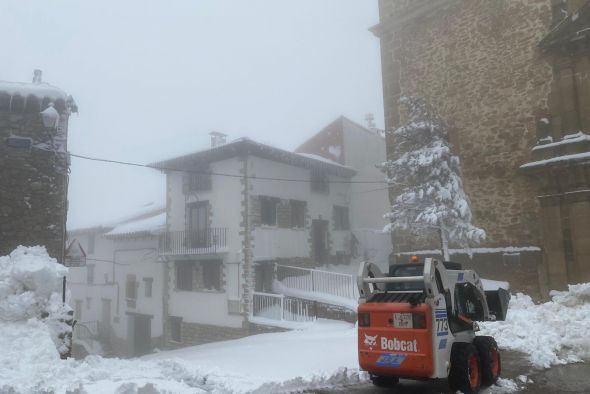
364,319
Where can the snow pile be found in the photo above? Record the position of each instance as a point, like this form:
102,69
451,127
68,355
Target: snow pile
555,332
30,295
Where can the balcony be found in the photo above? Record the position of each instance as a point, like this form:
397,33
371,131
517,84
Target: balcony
187,243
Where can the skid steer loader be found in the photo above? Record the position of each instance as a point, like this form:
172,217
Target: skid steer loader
420,322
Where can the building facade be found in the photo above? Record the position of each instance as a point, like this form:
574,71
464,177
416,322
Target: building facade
203,268
34,161
484,66
117,288
226,234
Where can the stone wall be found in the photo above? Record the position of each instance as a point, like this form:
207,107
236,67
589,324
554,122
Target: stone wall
33,185
478,64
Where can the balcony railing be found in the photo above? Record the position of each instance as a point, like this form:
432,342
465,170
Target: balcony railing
209,241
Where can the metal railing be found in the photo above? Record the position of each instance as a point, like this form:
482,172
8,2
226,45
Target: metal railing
86,330
281,308
317,281
208,241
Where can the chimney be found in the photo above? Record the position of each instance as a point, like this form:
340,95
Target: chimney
37,76
370,119
217,138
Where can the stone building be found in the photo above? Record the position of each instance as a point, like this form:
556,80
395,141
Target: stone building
34,162
511,80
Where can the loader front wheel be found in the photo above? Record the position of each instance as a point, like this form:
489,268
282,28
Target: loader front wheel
491,365
465,373
386,382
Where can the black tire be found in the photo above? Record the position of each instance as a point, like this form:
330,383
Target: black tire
489,355
465,374
385,382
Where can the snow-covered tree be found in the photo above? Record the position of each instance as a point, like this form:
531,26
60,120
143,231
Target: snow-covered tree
427,179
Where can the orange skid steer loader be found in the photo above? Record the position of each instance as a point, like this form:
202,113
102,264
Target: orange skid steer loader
419,322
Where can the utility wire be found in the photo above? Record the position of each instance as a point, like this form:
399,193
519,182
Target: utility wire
252,177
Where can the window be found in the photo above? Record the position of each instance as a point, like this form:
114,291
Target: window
88,302
175,328
341,218
298,213
78,311
184,276
211,275
131,290
199,180
147,285
268,210
319,183
90,274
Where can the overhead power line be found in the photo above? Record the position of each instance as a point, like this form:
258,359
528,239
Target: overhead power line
189,170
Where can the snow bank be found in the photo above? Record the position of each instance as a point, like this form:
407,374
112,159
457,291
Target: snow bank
30,295
321,355
555,332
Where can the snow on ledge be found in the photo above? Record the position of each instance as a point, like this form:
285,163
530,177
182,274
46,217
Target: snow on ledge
568,139
39,90
506,249
558,159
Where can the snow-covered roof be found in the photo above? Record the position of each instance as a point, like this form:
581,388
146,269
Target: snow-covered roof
320,158
39,90
145,211
141,227
246,146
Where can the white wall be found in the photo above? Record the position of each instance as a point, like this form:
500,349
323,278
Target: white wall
102,287
225,197
363,149
271,241
138,256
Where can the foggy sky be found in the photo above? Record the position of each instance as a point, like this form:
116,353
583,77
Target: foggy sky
153,78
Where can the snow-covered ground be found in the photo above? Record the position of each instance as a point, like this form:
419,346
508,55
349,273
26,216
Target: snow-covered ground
323,354
555,332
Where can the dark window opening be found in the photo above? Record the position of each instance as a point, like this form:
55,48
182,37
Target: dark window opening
298,213
319,183
200,180
268,210
184,276
341,219
212,275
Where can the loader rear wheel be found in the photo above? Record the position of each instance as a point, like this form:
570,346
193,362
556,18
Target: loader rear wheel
465,374
491,364
384,381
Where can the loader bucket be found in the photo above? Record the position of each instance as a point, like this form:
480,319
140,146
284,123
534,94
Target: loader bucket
498,303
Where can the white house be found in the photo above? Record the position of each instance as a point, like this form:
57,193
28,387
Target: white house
117,286
239,208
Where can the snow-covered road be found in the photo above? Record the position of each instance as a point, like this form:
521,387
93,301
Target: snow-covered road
322,355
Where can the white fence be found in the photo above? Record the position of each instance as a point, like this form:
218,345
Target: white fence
86,330
279,307
316,281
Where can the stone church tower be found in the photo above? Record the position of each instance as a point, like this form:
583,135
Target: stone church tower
35,164
511,78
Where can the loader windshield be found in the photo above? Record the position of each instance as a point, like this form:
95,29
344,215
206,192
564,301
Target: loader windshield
402,270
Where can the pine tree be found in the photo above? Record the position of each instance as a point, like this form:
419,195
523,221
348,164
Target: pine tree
427,179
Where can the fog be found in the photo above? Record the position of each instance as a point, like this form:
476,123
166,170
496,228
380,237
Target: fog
152,79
